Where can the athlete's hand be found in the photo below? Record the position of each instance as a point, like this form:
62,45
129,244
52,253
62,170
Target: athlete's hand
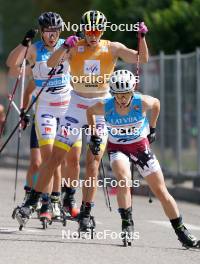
25,119
29,37
152,135
70,42
94,144
142,29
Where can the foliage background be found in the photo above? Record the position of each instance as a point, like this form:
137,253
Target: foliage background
173,24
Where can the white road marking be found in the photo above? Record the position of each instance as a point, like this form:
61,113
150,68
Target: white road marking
7,230
168,224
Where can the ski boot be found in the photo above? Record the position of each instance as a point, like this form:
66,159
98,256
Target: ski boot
24,212
184,236
56,206
127,226
71,212
86,221
27,195
46,211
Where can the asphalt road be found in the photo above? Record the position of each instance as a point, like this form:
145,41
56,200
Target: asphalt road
155,243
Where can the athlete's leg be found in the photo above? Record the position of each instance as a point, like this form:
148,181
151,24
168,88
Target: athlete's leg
71,176
92,171
157,184
121,167
149,168
122,172
35,162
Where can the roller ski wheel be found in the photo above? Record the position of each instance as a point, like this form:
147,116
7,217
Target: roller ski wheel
64,222
127,241
45,221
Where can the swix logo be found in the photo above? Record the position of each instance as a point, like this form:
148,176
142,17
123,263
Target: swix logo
48,130
92,67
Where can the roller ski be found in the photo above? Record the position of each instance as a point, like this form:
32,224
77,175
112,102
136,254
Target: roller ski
186,238
24,212
86,222
69,207
127,226
46,213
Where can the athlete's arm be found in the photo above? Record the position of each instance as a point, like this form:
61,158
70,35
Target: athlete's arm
130,55
28,93
152,104
56,57
97,109
16,56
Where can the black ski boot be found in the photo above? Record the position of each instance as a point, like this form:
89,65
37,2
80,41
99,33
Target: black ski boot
127,226
69,202
184,236
86,221
46,211
27,190
24,212
56,205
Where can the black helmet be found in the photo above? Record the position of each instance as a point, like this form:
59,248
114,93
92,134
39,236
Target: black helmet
94,19
50,20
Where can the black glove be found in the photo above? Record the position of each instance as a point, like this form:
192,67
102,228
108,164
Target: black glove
152,135
94,144
25,119
29,36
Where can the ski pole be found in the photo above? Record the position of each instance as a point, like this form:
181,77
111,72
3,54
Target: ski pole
13,93
105,189
19,129
33,102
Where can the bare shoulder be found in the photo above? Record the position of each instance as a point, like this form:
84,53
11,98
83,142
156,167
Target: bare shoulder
116,47
148,101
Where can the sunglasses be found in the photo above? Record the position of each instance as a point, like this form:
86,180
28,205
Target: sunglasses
49,34
95,33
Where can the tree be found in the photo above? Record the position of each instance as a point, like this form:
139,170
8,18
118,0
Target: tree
175,28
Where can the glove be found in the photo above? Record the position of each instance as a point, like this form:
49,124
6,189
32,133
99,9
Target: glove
94,144
29,36
70,42
152,135
25,119
142,29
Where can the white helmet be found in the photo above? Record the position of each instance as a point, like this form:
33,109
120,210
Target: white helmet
122,81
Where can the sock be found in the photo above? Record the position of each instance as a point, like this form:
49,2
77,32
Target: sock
55,197
177,222
27,189
45,198
35,178
69,190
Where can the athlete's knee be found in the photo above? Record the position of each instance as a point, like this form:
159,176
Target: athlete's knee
92,166
56,157
35,164
162,194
